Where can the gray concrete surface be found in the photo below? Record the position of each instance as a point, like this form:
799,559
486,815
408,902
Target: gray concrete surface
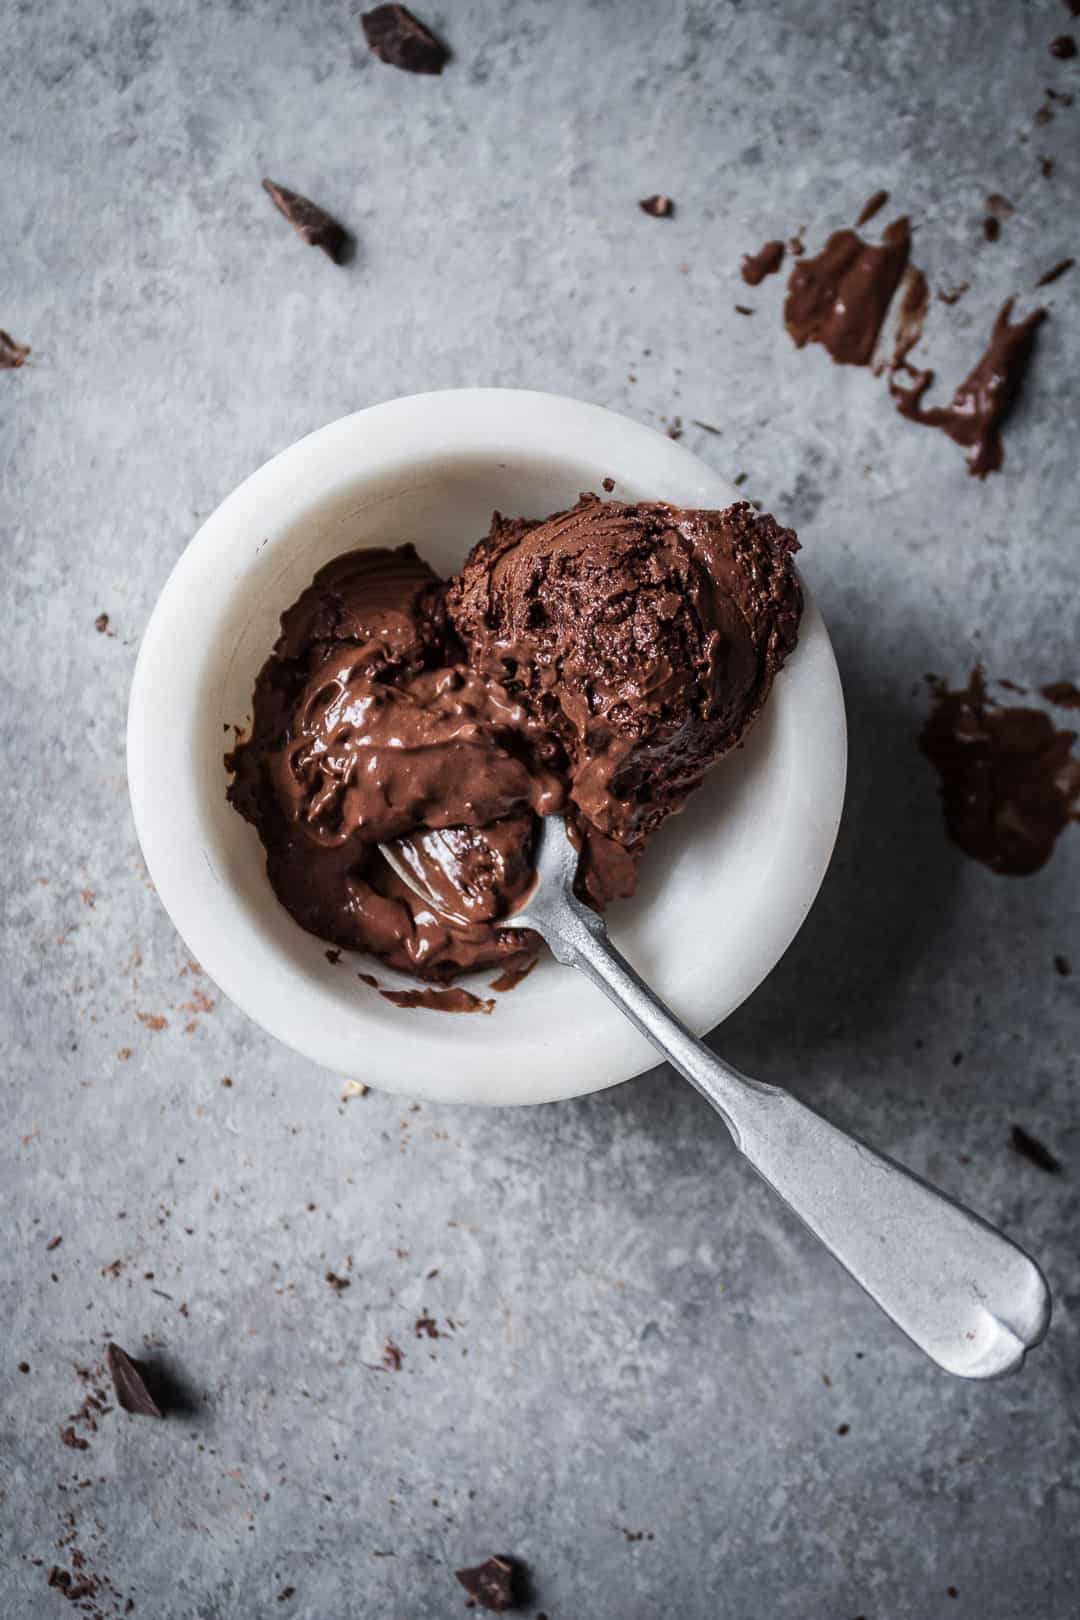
645,1342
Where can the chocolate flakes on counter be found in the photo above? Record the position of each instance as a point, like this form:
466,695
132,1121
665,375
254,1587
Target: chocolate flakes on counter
766,262
12,354
1029,1147
658,207
313,224
1056,273
494,1585
400,40
129,1381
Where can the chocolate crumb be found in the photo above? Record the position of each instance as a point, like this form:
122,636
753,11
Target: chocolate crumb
333,956
743,309
1061,965
494,1585
312,223
1046,167
765,262
101,623
24,1366
1064,47
658,207
338,1284
843,1428
53,1243
73,1441
1029,1147
392,1356
129,1382
608,484
872,206
1062,694
226,1081
740,480
12,354
991,228
400,40
951,1591
425,1326
999,206
707,427
674,428
286,1593
1058,270
953,295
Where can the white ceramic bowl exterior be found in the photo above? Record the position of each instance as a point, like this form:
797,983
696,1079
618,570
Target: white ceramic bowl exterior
725,886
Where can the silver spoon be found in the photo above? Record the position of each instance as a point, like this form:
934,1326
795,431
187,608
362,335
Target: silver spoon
964,1293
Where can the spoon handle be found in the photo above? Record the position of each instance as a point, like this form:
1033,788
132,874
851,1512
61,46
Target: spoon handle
964,1293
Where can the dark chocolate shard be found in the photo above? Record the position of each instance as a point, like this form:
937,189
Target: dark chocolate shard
658,207
312,223
1029,1147
401,40
495,1585
129,1381
12,354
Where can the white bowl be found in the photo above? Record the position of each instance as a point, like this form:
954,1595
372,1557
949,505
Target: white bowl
725,886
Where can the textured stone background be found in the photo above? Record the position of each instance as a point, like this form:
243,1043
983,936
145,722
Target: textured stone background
645,1340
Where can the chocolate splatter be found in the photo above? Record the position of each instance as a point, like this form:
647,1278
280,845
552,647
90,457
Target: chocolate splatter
1064,47
12,354
1029,1147
495,1585
426,1326
1009,781
1062,694
985,398
766,262
511,977
392,1356
1058,270
840,297
130,1382
453,999
872,206
400,40
911,317
312,223
658,207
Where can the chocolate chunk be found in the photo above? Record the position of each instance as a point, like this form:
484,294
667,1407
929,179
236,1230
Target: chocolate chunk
311,222
101,623
495,1585
658,207
12,354
400,40
338,1284
1058,270
24,1366
1064,47
333,956
73,1441
608,484
129,1381
1009,781
1029,1147
766,262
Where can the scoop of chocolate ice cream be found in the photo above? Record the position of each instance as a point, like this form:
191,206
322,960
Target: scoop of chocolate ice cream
645,637
599,661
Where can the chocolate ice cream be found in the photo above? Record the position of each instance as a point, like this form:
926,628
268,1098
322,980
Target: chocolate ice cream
596,663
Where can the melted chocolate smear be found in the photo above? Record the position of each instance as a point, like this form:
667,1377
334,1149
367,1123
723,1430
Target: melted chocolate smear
840,297
1064,47
12,354
1029,1147
1009,781
985,398
511,977
658,207
1056,273
872,206
494,1585
312,223
766,262
1062,694
911,318
401,40
451,999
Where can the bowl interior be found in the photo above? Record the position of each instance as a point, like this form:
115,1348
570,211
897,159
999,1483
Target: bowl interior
724,886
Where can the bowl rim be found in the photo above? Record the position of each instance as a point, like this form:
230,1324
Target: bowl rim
166,797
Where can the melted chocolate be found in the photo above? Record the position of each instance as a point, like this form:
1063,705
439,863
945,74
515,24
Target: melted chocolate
766,262
598,663
452,999
914,303
985,398
1009,781
840,297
